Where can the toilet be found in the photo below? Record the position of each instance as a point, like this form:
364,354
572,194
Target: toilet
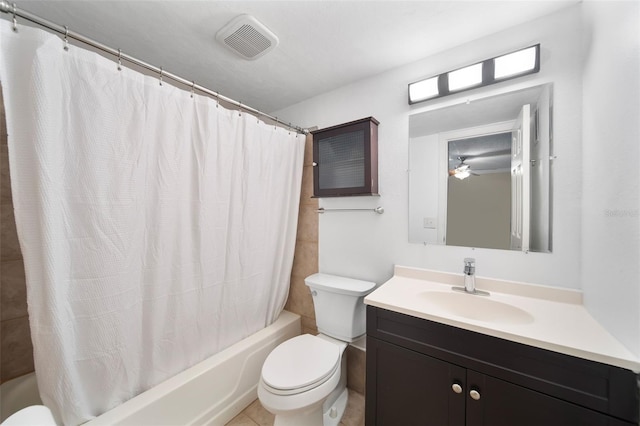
30,416
304,380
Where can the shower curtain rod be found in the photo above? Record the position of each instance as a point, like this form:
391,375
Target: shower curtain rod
11,9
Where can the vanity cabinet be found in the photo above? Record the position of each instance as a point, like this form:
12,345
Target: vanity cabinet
421,372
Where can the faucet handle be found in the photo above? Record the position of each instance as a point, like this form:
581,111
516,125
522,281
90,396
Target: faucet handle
469,266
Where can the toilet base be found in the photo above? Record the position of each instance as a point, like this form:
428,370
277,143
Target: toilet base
333,414
312,417
315,417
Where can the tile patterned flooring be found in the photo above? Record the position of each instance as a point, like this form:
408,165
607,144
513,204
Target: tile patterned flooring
256,415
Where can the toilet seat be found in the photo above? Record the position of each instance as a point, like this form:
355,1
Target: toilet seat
300,364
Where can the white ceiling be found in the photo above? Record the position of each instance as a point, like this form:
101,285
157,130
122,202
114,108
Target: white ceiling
323,44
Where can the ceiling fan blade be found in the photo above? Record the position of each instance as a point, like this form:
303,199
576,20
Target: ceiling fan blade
489,154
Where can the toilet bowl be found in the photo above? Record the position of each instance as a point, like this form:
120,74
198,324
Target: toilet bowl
30,416
299,376
303,380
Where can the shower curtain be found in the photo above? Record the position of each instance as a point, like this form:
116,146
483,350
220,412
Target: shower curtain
157,228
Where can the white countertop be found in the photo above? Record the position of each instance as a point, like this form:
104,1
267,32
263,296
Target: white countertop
545,317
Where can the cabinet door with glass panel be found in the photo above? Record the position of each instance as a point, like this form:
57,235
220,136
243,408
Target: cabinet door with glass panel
345,159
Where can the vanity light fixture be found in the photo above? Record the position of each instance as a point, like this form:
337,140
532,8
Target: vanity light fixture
500,68
465,78
423,90
516,63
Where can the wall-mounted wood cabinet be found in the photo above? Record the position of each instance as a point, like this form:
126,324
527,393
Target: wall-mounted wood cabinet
421,372
345,159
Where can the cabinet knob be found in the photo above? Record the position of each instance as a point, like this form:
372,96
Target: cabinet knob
456,388
474,394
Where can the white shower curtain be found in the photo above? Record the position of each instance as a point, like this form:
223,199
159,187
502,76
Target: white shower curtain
156,228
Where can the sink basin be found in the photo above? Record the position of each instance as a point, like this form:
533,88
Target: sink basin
479,308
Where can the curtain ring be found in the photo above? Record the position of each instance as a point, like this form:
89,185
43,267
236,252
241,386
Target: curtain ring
289,128
217,99
161,72
119,60
193,85
15,21
239,109
66,40
275,126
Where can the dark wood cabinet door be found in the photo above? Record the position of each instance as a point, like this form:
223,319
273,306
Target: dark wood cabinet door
406,388
500,403
345,159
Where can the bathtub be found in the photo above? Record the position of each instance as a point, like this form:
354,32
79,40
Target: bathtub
18,393
211,392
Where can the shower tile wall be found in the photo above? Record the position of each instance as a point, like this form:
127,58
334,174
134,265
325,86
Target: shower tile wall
16,352
305,261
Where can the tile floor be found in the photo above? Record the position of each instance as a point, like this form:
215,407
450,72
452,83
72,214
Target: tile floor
256,415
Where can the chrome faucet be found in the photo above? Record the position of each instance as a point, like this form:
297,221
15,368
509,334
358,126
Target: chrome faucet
470,278
469,275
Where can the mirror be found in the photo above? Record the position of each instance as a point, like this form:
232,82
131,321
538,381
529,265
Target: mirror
479,172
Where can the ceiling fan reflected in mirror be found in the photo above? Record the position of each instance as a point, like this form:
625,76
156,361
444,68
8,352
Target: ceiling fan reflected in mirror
462,170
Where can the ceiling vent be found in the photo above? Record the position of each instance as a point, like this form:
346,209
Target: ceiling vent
247,37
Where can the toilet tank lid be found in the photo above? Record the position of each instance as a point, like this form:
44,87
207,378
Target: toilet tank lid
343,285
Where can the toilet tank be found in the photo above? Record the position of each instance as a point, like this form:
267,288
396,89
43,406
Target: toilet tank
339,305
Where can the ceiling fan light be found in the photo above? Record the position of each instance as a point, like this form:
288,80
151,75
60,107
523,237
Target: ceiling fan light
462,168
462,174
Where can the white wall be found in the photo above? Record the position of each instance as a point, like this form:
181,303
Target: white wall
479,211
423,188
366,245
611,161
